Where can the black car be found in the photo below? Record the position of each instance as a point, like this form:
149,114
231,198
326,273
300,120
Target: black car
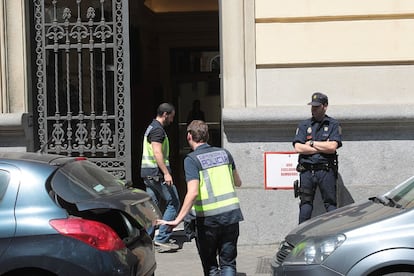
67,216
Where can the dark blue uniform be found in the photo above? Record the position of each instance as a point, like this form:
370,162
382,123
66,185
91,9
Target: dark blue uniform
317,169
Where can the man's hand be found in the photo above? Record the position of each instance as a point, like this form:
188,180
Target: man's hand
168,179
172,224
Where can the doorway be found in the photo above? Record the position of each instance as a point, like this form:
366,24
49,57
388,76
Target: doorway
174,58
196,89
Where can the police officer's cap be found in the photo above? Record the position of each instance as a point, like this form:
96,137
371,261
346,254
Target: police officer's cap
318,99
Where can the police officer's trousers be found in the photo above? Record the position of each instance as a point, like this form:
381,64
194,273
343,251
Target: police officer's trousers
309,180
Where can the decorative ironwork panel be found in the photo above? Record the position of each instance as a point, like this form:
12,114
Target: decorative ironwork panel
83,82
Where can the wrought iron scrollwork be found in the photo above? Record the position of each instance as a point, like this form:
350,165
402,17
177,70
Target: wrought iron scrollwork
81,87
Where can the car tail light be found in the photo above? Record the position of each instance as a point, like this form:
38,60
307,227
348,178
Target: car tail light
94,233
80,158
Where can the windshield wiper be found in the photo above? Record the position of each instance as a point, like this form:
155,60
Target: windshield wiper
392,202
376,199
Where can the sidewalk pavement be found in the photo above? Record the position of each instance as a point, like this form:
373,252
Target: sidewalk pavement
252,260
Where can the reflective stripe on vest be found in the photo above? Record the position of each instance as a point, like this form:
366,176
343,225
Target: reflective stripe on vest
216,191
148,158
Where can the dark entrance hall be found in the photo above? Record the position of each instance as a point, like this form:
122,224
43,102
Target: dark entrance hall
174,57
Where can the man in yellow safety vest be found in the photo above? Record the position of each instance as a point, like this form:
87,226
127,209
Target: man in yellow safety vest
211,177
156,173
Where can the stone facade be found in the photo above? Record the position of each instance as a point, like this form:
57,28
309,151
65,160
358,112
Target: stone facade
274,55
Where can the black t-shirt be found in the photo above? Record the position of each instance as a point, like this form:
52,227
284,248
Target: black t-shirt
156,133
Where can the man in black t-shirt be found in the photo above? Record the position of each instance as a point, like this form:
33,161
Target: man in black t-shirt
156,173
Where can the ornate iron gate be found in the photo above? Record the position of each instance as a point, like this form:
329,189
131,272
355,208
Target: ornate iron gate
83,80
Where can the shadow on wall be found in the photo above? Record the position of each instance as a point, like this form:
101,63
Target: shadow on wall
344,197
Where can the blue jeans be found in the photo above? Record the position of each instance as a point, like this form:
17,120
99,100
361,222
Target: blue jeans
221,241
159,191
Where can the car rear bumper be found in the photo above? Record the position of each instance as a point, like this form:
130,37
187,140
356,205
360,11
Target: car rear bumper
143,249
67,257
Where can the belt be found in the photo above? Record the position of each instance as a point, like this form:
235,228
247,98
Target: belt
155,178
312,167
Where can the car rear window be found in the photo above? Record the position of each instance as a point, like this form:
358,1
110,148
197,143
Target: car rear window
82,180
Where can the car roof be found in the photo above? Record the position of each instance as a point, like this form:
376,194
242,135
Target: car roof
52,159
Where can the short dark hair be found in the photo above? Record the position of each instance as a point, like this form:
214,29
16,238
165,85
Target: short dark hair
165,107
199,131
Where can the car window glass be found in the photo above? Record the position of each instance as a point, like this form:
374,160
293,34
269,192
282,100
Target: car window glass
83,180
4,182
403,193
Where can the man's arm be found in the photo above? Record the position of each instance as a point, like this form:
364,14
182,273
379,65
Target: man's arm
236,177
328,147
190,196
159,157
299,142
305,148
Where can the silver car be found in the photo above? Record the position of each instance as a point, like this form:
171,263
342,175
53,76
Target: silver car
375,237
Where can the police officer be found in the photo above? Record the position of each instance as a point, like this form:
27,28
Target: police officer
156,173
316,141
211,177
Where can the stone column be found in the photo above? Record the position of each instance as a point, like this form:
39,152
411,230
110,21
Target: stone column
232,51
13,54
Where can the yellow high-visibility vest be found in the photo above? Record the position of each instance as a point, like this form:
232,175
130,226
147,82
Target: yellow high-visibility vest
148,159
217,194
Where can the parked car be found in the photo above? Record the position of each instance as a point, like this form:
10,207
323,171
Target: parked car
374,237
67,216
